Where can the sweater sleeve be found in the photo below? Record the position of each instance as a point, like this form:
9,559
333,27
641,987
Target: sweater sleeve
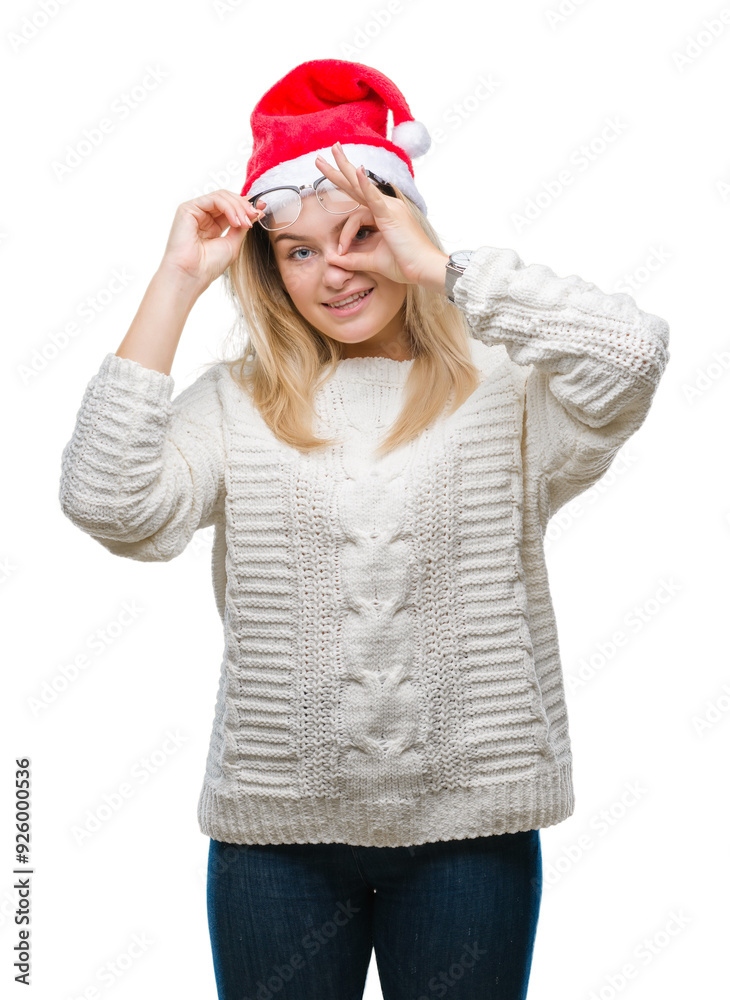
142,472
593,360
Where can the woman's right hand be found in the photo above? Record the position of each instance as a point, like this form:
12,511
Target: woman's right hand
195,246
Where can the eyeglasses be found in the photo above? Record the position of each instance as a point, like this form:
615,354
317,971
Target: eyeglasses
283,204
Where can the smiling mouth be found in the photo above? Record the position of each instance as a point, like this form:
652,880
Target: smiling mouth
348,303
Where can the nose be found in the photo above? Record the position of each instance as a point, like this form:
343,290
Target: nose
335,276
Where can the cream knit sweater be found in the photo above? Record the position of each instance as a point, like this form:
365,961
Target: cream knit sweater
391,672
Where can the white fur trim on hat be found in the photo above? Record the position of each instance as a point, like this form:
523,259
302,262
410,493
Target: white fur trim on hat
303,169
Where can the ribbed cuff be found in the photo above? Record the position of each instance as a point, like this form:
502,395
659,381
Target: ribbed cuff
131,376
485,279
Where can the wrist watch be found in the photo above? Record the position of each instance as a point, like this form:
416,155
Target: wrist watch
455,267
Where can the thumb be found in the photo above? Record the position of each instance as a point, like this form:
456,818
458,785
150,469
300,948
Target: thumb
235,237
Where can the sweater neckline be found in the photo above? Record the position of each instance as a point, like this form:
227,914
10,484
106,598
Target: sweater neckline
375,358
369,368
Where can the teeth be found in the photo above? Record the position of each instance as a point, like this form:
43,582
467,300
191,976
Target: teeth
345,302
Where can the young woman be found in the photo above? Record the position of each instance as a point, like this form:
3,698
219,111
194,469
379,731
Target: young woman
380,462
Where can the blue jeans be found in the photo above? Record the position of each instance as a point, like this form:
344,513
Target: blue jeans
454,919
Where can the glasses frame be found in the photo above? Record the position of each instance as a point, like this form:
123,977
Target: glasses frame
302,187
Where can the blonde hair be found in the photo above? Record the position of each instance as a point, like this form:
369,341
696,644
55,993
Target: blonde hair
285,355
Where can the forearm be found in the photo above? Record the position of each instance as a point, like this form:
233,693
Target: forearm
141,471
592,362
563,325
155,331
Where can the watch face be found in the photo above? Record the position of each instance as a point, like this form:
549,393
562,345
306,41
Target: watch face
462,257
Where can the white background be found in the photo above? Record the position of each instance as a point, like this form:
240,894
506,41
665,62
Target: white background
647,212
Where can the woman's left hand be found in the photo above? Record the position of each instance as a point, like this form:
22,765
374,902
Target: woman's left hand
404,253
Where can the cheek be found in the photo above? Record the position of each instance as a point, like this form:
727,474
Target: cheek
296,281
395,293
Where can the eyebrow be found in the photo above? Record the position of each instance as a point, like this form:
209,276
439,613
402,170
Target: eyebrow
294,236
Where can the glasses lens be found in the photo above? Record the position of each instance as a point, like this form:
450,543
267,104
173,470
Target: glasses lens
334,200
282,208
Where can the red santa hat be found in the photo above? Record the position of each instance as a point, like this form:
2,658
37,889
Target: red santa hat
321,102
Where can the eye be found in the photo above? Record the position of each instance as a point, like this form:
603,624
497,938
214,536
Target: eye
367,230
290,255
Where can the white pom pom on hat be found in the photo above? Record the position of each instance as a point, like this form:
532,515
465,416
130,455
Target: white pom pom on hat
412,137
321,102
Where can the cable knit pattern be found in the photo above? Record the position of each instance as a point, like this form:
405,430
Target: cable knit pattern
391,672
378,713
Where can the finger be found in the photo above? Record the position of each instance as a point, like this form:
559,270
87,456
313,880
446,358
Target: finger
252,213
213,226
368,190
379,205
359,260
218,205
207,225
244,210
355,220
339,179
235,237
347,168
233,218
244,214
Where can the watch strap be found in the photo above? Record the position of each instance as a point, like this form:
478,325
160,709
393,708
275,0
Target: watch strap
454,271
